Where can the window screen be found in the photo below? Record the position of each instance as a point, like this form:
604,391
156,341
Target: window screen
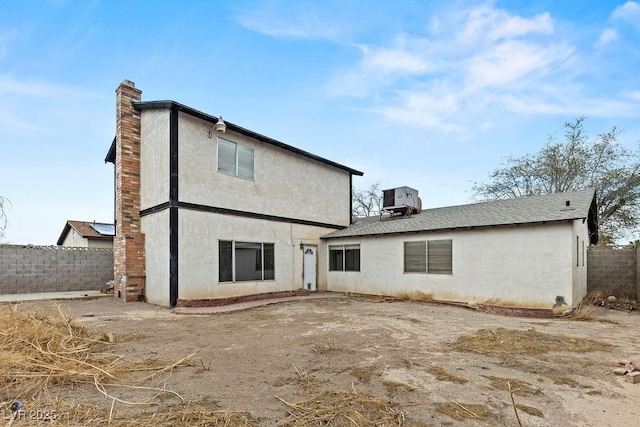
415,257
439,257
344,258
234,159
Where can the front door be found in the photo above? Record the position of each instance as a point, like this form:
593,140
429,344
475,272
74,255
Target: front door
309,275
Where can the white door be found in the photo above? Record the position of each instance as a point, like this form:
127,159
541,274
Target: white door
309,275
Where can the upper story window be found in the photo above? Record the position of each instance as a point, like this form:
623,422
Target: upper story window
235,159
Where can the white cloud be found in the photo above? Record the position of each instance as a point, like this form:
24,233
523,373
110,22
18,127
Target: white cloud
467,67
607,36
436,109
390,60
292,20
563,105
305,28
11,122
12,86
630,12
512,61
634,95
6,36
487,23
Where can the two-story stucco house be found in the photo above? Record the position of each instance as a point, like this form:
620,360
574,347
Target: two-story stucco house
208,210
526,251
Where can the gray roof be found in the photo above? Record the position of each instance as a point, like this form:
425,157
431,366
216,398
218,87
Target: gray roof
525,210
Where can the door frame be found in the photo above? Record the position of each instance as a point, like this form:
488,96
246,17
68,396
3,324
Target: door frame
313,287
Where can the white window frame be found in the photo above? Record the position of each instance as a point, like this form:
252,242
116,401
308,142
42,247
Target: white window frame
343,249
233,261
417,267
238,155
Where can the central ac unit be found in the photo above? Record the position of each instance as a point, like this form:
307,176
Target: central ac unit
400,198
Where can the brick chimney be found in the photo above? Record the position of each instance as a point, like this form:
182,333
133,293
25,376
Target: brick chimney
128,243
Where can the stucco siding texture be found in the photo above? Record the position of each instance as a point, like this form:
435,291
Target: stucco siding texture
579,261
523,264
74,239
154,158
156,230
285,184
200,233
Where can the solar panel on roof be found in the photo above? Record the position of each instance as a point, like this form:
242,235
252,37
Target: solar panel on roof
105,229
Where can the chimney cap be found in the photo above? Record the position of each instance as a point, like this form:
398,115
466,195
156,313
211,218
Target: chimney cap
129,83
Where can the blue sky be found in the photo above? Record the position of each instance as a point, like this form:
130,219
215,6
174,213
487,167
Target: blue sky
425,94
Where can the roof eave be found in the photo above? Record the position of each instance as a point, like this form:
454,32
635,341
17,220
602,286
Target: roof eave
150,105
466,227
111,154
64,233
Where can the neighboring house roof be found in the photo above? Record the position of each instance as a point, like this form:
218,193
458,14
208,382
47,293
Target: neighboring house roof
88,230
525,210
149,105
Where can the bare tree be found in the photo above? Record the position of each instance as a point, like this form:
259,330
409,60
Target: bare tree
366,202
574,164
5,204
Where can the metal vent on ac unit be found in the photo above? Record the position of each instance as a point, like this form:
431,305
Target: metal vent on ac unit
401,201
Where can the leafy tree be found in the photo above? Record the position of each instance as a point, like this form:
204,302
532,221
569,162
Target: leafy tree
5,204
576,163
366,202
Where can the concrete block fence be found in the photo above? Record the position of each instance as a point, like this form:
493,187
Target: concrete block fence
614,267
30,269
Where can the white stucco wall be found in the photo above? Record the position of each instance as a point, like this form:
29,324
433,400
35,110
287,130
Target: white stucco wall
579,264
156,245
285,184
74,239
154,158
200,233
525,264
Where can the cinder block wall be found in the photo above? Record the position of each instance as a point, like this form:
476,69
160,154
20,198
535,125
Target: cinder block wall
610,266
30,269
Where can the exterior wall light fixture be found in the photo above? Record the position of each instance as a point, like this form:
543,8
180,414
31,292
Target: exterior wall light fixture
219,127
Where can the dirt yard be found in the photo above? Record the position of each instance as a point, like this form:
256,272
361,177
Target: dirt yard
424,364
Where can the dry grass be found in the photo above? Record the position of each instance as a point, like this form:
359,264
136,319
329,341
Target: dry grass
624,298
373,298
341,408
509,303
565,380
415,296
44,355
583,313
328,347
393,386
517,387
183,415
37,352
530,410
442,375
461,412
510,342
364,374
